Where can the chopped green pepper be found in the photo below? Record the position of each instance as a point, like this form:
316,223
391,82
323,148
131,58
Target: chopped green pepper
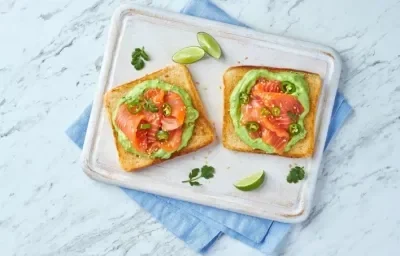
265,112
294,129
162,135
167,110
134,109
252,126
144,126
288,87
276,111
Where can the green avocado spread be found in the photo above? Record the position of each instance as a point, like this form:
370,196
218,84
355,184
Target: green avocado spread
244,86
191,115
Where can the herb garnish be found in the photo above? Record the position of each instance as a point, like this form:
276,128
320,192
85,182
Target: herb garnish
150,106
137,58
296,174
206,172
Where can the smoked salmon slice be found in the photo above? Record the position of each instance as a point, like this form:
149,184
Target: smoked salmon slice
289,108
178,112
273,110
155,120
156,95
286,102
264,85
128,124
252,112
274,140
173,142
142,128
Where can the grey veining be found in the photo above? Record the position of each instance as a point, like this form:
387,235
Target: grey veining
51,53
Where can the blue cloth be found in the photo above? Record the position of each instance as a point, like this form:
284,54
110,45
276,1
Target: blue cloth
199,226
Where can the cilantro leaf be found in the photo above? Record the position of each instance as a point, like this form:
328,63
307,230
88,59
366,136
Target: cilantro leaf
194,183
194,173
206,172
139,64
296,174
138,57
144,55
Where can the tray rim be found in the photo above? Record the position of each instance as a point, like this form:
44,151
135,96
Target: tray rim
285,42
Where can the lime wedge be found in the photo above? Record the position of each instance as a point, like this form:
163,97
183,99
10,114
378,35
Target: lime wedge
209,44
251,182
188,55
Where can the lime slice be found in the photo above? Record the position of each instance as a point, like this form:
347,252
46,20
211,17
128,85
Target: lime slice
188,55
209,44
251,182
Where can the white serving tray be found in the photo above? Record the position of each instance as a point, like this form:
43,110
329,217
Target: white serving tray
162,34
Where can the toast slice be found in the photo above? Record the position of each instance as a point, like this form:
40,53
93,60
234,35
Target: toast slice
177,75
230,140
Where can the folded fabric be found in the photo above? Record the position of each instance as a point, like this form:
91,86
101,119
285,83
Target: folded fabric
199,226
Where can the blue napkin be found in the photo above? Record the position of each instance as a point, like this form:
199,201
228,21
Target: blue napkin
199,226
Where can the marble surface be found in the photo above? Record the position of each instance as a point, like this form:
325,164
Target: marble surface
51,52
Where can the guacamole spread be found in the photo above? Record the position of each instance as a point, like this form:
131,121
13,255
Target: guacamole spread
245,85
191,115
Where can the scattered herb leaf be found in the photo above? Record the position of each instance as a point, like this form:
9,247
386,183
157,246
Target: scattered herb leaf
194,173
194,183
296,174
138,57
144,55
139,64
206,172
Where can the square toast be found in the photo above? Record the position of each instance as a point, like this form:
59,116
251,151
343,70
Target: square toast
303,148
177,75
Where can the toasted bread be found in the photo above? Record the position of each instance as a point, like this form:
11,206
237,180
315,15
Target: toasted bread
177,75
230,140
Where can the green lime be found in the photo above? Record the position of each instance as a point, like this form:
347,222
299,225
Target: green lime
188,55
251,182
209,44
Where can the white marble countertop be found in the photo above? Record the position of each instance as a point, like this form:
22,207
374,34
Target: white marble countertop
50,55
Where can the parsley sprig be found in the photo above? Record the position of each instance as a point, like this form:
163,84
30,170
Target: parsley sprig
206,172
138,57
296,174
